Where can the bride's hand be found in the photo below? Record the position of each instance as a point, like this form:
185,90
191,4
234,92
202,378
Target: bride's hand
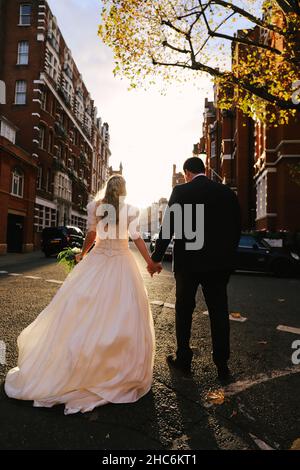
78,257
153,268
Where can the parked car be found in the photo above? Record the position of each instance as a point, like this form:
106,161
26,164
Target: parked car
255,254
146,236
55,239
169,250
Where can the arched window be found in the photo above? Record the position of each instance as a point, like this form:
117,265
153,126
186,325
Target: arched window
17,187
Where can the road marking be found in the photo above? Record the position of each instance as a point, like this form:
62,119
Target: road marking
3,272
32,277
240,319
15,274
261,444
288,329
2,353
242,385
169,306
54,281
157,302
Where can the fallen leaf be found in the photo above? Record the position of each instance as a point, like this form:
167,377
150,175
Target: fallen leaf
234,413
236,315
296,445
216,398
262,342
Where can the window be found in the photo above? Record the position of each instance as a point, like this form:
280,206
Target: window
44,217
52,65
261,198
23,53
25,14
50,142
21,92
42,137
39,178
246,242
48,181
7,131
17,187
44,100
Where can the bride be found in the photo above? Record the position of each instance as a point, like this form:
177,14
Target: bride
94,343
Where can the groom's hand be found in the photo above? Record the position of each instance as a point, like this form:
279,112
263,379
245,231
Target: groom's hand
154,268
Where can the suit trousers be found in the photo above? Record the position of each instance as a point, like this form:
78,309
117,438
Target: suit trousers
214,287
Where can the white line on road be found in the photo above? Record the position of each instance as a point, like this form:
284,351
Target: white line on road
242,385
15,274
54,281
3,272
288,329
157,302
32,277
261,444
169,306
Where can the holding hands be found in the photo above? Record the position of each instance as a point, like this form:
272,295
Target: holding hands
153,268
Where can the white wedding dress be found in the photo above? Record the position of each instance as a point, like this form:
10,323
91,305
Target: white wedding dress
94,343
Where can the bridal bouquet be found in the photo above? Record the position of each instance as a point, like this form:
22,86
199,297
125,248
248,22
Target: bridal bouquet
67,258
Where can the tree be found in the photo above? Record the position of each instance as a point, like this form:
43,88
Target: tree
166,37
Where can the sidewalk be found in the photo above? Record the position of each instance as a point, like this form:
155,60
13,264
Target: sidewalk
11,259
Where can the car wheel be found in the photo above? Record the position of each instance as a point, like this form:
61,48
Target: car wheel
282,268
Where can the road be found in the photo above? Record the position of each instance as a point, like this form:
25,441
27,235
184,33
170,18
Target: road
259,410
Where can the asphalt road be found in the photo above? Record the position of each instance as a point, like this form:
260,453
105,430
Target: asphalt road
259,410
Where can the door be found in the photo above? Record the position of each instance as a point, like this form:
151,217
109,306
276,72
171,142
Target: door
15,229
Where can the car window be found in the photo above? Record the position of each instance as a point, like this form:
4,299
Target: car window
52,232
74,231
246,241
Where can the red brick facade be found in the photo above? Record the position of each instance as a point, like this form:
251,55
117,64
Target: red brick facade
17,198
57,119
256,161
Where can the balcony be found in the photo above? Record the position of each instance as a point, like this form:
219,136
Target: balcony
60,131
59,165
65,97
53,41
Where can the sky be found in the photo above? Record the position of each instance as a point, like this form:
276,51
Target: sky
149,131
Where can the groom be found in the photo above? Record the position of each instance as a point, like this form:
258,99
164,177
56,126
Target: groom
211,265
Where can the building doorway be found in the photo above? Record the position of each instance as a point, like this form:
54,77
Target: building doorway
15,230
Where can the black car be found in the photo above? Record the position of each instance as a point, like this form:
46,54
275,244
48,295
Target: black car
255,254
55,239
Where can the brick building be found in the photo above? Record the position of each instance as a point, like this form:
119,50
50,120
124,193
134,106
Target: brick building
48,102
113,172
177,177
18,171
256,161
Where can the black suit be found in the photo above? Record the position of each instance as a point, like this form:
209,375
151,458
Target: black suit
209,266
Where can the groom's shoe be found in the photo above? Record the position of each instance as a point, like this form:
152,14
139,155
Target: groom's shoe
183,367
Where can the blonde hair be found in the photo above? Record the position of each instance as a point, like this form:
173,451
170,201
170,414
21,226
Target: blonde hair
114,189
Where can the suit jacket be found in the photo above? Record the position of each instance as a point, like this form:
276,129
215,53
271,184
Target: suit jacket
222,227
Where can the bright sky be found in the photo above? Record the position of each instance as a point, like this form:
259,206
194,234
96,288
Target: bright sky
149,132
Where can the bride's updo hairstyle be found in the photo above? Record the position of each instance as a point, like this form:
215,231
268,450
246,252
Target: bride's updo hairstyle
114,190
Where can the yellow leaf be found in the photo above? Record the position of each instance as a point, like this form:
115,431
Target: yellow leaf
216,398
236,315
296,445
